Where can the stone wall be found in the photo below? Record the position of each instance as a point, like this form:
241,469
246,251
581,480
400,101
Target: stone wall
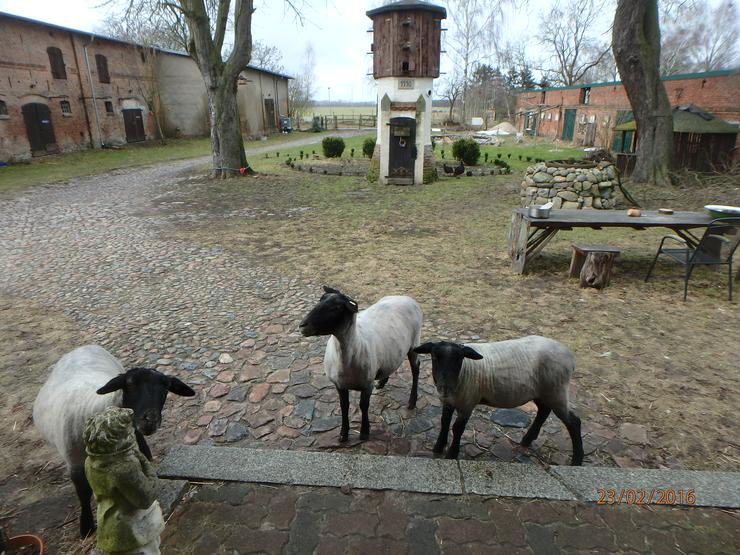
579,185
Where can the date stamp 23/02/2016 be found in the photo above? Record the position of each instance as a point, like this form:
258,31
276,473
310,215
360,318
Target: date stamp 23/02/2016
638,496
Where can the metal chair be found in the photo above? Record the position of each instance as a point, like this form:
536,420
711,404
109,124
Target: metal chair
716,247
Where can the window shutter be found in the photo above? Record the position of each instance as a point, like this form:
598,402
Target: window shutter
56,61
102,63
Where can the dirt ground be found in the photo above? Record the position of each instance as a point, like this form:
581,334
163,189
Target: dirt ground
644,356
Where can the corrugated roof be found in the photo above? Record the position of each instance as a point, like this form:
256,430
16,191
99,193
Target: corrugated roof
129,43
691,119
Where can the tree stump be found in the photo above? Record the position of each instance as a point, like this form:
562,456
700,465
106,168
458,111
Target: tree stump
593,264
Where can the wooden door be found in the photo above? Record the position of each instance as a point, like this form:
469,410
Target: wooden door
39,128
270,114
402,148
133,121
569,124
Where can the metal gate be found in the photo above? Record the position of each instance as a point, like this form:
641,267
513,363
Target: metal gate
133,121
569,124
39,128
402,150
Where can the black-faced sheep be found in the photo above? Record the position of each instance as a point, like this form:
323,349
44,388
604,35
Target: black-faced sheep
504,374
366,346
85,382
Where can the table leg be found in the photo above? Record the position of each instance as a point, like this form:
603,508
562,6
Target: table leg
538,240
517,240
686,235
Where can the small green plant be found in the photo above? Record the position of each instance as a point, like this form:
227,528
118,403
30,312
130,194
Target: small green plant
368,146
277,154
443,153
485,157
332,147
316,125
467,151
352,153
498,155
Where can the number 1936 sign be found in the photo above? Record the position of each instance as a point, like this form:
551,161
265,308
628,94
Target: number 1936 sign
405,83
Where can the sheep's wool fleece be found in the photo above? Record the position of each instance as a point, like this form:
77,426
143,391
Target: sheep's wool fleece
69,398
514,372
381,337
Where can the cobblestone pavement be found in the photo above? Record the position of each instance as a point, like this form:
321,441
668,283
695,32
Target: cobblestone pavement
247,518
105,250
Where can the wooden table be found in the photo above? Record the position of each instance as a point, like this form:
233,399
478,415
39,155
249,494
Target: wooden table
528,236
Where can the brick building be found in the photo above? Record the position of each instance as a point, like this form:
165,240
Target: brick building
587,114
63,90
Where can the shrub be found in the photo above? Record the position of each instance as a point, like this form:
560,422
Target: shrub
368,146
332,147
467,151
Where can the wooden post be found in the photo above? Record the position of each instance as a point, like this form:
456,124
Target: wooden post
597,269
517,241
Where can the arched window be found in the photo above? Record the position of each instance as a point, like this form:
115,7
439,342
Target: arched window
56,61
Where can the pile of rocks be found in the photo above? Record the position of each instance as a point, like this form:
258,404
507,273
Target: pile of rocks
570,185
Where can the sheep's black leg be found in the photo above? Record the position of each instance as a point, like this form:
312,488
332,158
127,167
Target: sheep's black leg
344,405
534,430
143,447
414,362
457,431
447,411
84,493
364,407
573,424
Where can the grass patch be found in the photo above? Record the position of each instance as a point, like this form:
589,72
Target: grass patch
642,353
60,167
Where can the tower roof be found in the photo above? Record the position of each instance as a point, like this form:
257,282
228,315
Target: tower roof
408,5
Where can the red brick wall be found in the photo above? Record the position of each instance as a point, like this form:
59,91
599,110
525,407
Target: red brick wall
25,76
717,94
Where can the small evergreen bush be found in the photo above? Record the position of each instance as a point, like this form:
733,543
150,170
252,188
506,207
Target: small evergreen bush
467,151
332,147
368,146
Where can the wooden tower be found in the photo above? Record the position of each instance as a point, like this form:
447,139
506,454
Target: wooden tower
406,51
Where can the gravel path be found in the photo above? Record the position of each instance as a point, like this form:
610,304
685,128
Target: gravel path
105,251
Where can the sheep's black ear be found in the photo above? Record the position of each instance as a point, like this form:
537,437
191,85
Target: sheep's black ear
179,388
470,353
331,289
424,348
352,305
113,385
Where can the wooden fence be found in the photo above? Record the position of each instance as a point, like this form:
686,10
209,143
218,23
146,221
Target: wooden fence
346,121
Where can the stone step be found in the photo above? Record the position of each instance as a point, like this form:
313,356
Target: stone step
421,475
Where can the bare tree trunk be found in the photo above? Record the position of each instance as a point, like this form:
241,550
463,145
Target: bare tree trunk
226,137
221,77
636,45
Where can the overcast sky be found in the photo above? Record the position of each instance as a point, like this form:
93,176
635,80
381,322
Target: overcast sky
335,28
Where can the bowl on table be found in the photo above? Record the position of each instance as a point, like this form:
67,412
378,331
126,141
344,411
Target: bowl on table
722,211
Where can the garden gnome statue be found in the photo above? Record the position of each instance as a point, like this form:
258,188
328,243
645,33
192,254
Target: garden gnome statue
124,483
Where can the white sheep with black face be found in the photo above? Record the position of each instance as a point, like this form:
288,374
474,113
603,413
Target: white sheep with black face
503,374
366,346
85,382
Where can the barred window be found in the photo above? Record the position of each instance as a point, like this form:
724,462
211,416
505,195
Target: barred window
56,61
66,108
102,63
